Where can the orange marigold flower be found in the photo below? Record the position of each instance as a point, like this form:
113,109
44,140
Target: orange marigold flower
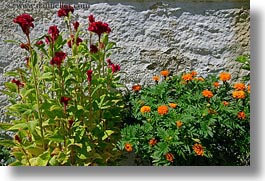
128,147
216,84
156,78
200,79
187,77
241,115
172,105
169,157
145,109
152,142
248,88
225,76
179,124
164,73
193,73
198,149
225,103
239,86
162,110
136,88
207,93
238,94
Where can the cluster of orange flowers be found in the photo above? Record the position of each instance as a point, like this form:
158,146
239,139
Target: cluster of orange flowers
169,157
207,93
198,149
225,76
128,147
145,109
162,110
179,123
241,115
136,88
152,142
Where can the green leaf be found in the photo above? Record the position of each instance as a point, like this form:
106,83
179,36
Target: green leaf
44,158
19,126
46,76
11,86
94,91
107,133
56,138
7,143
11,73
5,126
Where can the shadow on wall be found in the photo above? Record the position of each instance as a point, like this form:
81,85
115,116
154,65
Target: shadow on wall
185,5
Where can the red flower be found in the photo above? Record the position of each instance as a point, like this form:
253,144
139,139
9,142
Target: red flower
91,18
89,75
17,138
109,62
99,27
54,33
65,100
76,25
93,49
58,59
25,22
17,82
65,10
70,122
115,68
24,46
39,43
78,41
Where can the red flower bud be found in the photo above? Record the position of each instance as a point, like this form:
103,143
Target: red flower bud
89,75
17,82
25,22
17,138
76,25
54,33
58,58
65,10
24,46
99,27
70,122
91,18
93,49
65,100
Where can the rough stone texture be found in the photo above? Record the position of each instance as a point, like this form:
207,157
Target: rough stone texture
205,36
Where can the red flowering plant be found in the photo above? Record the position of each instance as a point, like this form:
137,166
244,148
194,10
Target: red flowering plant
189,120
65,104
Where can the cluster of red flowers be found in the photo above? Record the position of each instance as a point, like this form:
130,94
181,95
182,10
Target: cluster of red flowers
25,22
54,33
98,27
114,67
58,58
65,10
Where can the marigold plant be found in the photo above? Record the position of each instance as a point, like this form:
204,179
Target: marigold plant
207,127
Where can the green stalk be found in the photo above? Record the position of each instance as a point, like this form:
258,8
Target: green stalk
37,96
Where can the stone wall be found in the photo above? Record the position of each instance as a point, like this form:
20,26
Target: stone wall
179,35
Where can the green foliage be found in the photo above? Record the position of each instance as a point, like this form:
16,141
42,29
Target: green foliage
195,119
63,115
245,61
